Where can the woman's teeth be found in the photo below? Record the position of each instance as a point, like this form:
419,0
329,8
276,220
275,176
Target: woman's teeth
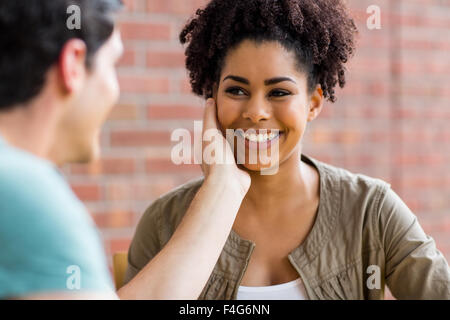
260,137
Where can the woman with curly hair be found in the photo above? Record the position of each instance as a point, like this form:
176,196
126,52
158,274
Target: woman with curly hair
311,230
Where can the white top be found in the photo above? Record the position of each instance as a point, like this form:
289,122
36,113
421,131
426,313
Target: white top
293,290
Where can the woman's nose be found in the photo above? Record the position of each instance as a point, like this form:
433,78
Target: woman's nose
256,110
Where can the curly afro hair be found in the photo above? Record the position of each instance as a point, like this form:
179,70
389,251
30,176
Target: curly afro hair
320,33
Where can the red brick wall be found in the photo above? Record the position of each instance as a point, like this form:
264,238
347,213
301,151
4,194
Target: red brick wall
391,120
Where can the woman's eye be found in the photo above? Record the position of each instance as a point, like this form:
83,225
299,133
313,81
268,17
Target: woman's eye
279,93
235,91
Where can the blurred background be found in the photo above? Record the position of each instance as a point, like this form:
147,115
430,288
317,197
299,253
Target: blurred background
391,121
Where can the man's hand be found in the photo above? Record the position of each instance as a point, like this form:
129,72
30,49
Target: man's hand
224,166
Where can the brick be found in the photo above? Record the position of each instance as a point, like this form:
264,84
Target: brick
132,138
87,192
92,168
152,189
145,31
118,191
123,112
107,166
165,59
143,84
130,5
185,7
348,137
158,112
418,159
185,86
322,136
114,219
167,166
118,166
425,44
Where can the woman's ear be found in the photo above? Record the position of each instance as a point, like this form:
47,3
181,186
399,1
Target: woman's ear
315,103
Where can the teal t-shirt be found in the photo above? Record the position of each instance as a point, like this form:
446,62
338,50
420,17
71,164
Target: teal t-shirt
48,241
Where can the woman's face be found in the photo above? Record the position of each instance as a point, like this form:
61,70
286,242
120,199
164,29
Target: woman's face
260,88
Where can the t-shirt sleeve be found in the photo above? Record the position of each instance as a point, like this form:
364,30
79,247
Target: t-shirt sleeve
415,268
49,243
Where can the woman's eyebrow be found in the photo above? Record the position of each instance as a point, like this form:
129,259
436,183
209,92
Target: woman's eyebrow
236,78
267,82
278,80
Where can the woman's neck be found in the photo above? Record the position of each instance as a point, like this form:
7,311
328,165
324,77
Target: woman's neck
291,186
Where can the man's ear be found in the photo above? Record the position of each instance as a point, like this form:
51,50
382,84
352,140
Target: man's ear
315,103
72,65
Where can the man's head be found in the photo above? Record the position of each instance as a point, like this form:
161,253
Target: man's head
42,55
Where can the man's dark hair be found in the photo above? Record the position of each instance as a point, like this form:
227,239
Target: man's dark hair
32,35
320,33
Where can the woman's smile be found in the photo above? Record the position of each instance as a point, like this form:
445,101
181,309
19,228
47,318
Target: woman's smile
260,139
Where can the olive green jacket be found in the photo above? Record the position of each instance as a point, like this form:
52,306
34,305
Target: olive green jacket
364,237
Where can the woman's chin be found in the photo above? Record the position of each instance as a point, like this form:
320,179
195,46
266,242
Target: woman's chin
259,167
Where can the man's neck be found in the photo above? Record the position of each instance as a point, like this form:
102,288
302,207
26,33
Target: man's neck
28,128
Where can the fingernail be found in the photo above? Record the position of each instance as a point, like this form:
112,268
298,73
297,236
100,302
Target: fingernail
209,102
